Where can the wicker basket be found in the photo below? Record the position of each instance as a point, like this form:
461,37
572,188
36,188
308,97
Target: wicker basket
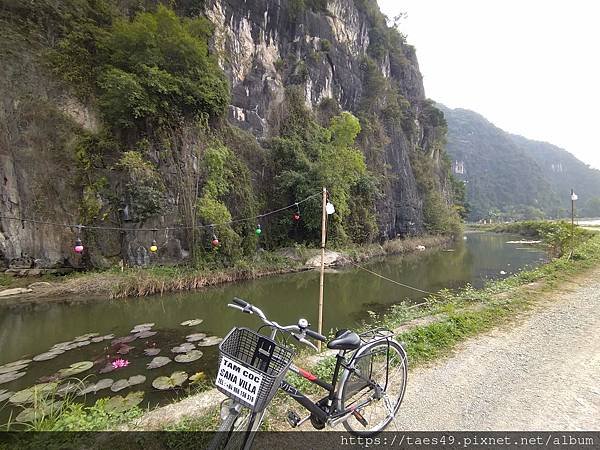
257,353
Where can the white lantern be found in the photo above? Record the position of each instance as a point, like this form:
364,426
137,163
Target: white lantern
329,208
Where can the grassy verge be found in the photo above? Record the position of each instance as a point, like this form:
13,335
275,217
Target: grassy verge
139,282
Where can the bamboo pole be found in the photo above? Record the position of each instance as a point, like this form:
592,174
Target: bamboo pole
322,277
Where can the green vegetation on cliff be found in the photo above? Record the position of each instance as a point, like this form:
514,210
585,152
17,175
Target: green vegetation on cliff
136,119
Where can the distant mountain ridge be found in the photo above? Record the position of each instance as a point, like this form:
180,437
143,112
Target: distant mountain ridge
511,177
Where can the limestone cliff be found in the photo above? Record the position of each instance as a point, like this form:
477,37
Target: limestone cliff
339,52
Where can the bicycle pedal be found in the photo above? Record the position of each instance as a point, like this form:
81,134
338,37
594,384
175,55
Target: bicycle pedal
360,418
293,418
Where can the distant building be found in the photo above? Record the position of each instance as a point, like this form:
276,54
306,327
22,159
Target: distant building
557,168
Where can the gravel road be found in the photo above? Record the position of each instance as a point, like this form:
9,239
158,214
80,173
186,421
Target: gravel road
541,372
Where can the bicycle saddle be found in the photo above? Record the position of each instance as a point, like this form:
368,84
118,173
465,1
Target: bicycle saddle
344,340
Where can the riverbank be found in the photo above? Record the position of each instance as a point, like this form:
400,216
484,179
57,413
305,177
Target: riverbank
141,282
429,332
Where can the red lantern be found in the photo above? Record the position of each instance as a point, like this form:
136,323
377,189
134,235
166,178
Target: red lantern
296,217
215,242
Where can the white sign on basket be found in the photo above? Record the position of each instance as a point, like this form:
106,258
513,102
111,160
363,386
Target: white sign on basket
238,380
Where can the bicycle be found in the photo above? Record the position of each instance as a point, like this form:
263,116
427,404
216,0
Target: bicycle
252,368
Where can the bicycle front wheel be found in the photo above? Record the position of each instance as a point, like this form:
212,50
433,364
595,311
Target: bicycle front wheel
236,429
375,388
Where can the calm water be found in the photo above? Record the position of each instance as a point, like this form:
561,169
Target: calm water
349,294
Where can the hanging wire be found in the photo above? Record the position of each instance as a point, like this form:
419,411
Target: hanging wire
392,281
166,229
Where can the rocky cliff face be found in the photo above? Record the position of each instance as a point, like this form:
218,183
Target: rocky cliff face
265,46
333,52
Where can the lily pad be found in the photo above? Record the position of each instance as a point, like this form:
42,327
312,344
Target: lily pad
107,368
119,404
95,387
124,349
145,334
123,340
31,393
198,377
151,351
21,362
195,337
62,345
68,388
159,361
183,348
144,325
85,337
176,379
71,346
193,355
5,395
75,368
32,414
139,330
191,323
209,341
136,379
119,385
9,369
48,355
83,343
106,337
103,384
10,376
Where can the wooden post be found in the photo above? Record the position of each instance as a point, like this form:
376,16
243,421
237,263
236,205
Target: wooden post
572,222
322,278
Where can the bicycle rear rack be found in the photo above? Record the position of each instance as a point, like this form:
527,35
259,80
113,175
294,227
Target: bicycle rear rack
376,334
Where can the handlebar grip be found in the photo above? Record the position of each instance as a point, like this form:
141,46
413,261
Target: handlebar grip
240,302
315,335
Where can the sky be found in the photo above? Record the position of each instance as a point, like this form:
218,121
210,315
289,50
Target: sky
531,67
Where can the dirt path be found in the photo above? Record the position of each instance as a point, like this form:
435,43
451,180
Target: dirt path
540,373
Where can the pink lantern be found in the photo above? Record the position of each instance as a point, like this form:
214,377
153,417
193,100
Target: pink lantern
78,246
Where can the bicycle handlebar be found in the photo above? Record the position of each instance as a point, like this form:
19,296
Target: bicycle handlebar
315,335
240,302
248,308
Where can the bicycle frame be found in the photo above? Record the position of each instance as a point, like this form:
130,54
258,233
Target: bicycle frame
331,416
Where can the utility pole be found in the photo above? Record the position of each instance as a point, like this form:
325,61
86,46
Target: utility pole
322,278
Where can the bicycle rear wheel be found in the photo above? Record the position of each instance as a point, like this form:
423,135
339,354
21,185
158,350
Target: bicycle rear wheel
375,388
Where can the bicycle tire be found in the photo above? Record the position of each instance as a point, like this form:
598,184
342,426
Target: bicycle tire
234,432
353,386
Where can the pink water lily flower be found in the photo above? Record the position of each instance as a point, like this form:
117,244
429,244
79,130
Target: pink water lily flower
119,363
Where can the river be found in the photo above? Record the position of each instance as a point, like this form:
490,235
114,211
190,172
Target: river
349,296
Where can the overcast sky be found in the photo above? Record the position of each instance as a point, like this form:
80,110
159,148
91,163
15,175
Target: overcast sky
532,67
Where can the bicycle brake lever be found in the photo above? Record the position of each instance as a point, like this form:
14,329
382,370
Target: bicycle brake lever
307,342
304,341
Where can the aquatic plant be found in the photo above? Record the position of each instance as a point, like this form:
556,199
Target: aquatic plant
192,355
195,337
159,361
176,379
120,363
192,322
209,341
